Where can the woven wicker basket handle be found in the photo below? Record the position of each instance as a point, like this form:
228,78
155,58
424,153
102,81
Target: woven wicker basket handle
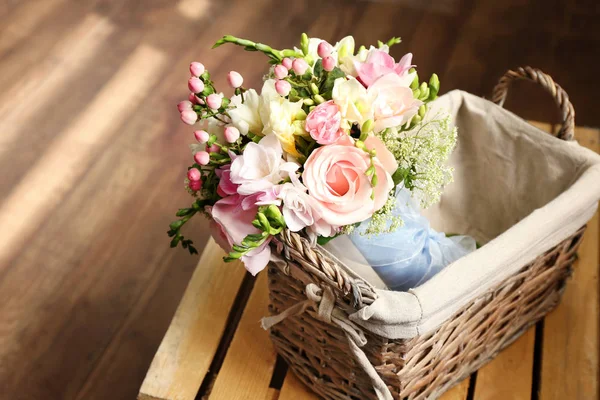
567,130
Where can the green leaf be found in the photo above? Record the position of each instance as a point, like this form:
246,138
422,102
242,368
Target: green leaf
318,69
208,89
323,240
400,175
327,85
303,92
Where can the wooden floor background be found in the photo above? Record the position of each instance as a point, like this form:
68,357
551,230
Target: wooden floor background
92,153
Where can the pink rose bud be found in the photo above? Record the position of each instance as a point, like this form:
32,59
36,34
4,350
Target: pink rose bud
324,49
283,88
280,72
196,68
184,105
201,136
235,79
189,117
287,63
214,149
299,65
328,63
195,85
214,101
202,157
193,99
232,134
193,174
323,123
195,185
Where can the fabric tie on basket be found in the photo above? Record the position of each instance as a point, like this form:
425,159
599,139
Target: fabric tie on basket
323,301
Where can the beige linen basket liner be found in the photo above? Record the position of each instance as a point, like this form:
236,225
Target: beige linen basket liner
526,194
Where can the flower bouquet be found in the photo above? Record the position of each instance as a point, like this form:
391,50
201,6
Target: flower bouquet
337,141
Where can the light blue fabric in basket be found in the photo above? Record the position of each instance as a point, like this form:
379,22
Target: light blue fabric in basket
411,255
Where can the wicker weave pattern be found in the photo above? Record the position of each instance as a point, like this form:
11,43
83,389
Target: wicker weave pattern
419,368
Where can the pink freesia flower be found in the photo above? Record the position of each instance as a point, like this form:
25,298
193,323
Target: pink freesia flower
394,104
234,218
380,63
335,178
218,235
323,123
225,187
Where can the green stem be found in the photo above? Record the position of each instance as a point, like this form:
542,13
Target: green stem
250,46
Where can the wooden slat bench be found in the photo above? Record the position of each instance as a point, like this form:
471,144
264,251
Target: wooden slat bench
215,348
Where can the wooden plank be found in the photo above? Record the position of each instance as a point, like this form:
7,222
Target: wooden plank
294,389
250,360
24,21
458,392
183,358
509,375
65,161
70,56
570,345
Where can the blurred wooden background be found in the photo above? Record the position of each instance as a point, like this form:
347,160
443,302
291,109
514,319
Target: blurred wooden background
93,156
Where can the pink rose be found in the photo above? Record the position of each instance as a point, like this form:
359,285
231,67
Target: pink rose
380,63
233,215
335,178
323,123
394,103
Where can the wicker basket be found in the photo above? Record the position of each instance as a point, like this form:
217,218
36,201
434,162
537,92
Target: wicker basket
315,343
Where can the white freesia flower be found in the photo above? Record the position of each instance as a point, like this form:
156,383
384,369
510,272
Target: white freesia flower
353,99
246,116
344,47
259,167
279,117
